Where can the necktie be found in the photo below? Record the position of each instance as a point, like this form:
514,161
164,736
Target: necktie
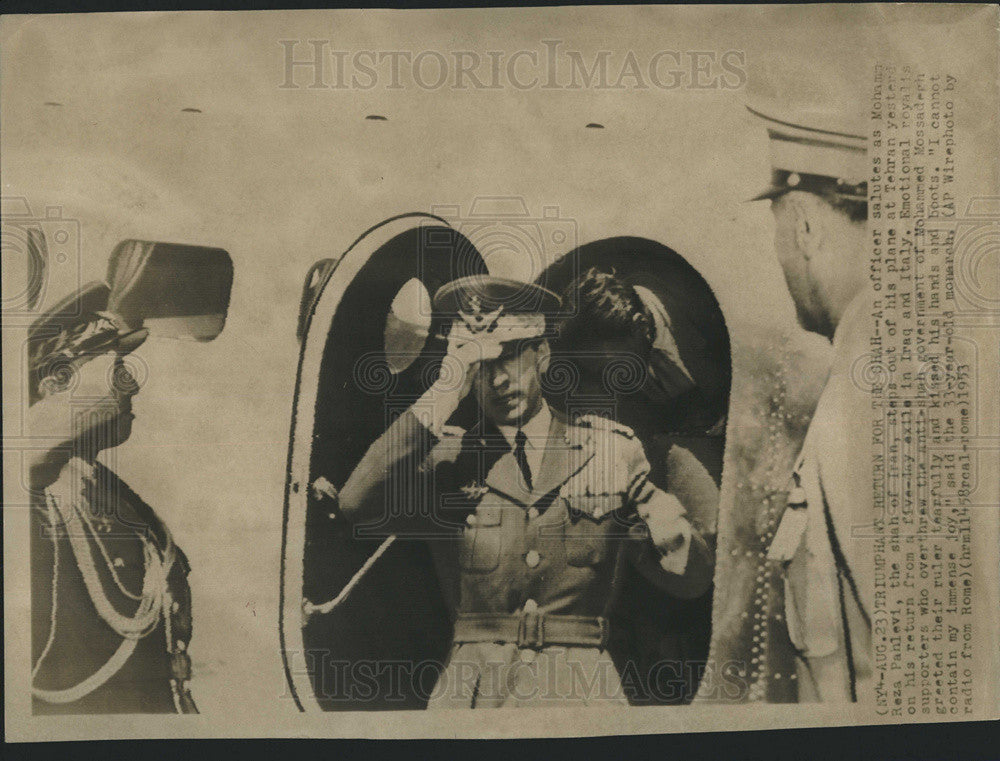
520,440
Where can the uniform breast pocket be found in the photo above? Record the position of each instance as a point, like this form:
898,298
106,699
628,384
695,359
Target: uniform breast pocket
587,539
480,547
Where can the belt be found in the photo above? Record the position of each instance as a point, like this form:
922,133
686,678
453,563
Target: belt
532,630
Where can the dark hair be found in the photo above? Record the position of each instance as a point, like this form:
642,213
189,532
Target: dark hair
600,305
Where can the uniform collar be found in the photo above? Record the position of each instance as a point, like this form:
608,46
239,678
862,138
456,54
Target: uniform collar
559,458
536,429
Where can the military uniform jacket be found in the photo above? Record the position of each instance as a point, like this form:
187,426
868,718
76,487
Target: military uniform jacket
829,585
501,548
111,607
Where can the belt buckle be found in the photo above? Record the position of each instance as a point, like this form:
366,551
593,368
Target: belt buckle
531,631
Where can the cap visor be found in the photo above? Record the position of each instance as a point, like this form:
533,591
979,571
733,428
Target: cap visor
772,192
129,342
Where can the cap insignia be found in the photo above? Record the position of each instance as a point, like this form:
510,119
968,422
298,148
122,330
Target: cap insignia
476,320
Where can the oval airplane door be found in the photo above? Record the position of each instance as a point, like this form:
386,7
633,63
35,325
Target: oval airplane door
368,351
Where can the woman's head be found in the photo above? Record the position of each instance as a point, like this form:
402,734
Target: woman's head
608,332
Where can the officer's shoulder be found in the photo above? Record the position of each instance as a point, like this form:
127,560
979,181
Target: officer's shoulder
853,334
128,505
601,424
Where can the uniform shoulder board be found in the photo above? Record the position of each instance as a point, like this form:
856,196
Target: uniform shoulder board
605,424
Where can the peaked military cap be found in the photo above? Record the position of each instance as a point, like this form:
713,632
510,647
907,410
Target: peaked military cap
817,135
78,327
82,316
80,307
503,309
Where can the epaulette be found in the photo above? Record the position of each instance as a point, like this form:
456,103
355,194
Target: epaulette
599,422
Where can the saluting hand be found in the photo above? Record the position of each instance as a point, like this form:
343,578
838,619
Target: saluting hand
466,353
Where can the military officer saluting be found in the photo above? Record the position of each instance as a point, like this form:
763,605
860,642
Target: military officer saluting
818,195
529,516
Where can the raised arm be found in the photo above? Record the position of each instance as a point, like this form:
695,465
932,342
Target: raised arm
405,452
399,455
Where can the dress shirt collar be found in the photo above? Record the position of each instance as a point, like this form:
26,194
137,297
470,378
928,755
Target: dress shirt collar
537,432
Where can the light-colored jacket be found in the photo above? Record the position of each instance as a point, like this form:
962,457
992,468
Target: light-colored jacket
500,548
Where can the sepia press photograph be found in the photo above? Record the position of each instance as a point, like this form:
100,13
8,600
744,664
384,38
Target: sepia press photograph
628,365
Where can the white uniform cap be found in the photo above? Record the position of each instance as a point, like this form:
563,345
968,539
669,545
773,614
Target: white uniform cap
817,131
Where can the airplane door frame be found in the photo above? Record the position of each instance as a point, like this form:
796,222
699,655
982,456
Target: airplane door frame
293,531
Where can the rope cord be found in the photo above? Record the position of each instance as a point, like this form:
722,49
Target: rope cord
107,560
148,612
154,600
848,647
310,608
92,682
844,574
841,559
51,511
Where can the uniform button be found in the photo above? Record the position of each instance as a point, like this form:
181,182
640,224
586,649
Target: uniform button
530,606
471,519
532,558
118,563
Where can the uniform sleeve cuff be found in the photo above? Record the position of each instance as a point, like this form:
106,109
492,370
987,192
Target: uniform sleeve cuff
432,413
